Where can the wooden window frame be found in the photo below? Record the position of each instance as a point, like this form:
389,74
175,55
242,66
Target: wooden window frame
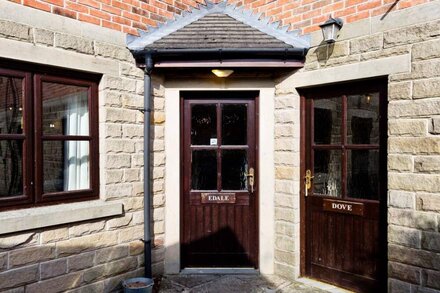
33,137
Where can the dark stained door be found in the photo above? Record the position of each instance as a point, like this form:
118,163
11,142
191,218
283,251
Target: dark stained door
344,143
219,198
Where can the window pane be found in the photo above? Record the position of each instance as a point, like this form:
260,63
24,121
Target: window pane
327,120
11,105
65,109
203,125
363,119
327,172
234,124
204,170
363,174
65,165
11,167
234,169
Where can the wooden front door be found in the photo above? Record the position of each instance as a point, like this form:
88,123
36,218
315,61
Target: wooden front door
219,199
344,190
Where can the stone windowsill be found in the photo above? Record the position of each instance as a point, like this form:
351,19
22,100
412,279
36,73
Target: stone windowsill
40,217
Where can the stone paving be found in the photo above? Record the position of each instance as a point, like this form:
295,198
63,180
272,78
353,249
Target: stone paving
233,283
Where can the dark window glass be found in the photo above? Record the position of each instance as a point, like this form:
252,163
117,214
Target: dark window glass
363,174
234,124
234,169
363,119
327,172
204,170
11,105
203,125
65,165
11,167
65,109
327,120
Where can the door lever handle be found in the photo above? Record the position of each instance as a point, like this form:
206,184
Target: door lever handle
250,177
308,181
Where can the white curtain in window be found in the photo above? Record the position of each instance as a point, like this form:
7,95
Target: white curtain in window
76,153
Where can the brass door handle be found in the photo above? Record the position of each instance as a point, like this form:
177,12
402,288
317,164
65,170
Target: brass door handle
250,177
308,181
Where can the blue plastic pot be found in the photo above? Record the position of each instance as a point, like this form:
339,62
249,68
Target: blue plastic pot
138,285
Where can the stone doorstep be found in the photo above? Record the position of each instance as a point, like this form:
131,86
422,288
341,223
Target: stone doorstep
240,283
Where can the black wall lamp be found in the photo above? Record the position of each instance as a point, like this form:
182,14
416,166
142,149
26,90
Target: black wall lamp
331,28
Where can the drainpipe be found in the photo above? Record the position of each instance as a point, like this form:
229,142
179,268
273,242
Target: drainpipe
147,159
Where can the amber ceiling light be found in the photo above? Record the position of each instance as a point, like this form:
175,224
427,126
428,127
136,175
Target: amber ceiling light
222,72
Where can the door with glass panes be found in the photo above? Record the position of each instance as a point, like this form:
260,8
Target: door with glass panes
344,187
219,196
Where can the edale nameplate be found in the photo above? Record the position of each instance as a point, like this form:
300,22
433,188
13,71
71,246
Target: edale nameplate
218,197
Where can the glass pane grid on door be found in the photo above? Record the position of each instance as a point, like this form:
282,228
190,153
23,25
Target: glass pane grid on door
345,146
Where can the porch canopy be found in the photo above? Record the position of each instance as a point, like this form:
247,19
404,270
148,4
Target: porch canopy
219,35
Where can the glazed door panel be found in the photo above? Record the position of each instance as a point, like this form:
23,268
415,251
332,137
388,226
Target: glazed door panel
344,186
219,200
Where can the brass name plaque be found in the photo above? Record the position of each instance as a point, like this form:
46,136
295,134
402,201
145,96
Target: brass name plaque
218,197
346,207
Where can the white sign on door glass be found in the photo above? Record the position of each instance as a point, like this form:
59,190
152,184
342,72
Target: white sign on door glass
213,141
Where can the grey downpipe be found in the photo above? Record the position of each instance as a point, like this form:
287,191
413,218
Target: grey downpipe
147,160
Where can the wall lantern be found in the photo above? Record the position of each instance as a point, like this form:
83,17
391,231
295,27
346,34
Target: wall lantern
330,29
222,72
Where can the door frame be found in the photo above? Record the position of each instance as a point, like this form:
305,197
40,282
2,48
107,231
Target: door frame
383,208
265,142
222,96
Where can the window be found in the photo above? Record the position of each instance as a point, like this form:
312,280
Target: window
48,137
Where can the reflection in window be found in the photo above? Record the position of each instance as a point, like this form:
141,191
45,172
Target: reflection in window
11,167
203,124
327,172
204,170
327,120
234,124
11,105
363,119
234,169
363,174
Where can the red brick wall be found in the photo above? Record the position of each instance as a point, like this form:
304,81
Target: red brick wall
129,15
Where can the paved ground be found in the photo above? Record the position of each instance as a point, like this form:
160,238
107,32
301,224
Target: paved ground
235,283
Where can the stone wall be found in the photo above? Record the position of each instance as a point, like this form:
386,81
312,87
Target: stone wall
413,137
93,255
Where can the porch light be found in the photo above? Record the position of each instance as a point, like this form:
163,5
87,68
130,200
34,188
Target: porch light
330,29
222,72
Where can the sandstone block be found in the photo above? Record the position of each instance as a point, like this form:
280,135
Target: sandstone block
432,279
427,164
42,36
158,117
285,116
16,241
400,90
80,261
74,43
412,34
131,233
401,199
86,228
404,272
133,204
366,44
400,163
287,229
53,268
426,107
404,236
159,104
15,31
285,257
425,69
286,187
158,200
119,146
426,50
285,271
133,101
415,145
158,159
131,175
112,130
59,284
113,176
341,61
112,98
397,286
130,70
31,255
408,127
283,214
284,243
287,102
136,247
426,88
428,202
412,219
415,257
158,172
389,52
286,158
285,130
414,182
282,172
119,84
138,218
119,190
431,241
111,253
54,235
3,261
114,52
110,269
158,255
116,115
86,243
133,131
19,277
118,161
159,227
119,222
287,144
